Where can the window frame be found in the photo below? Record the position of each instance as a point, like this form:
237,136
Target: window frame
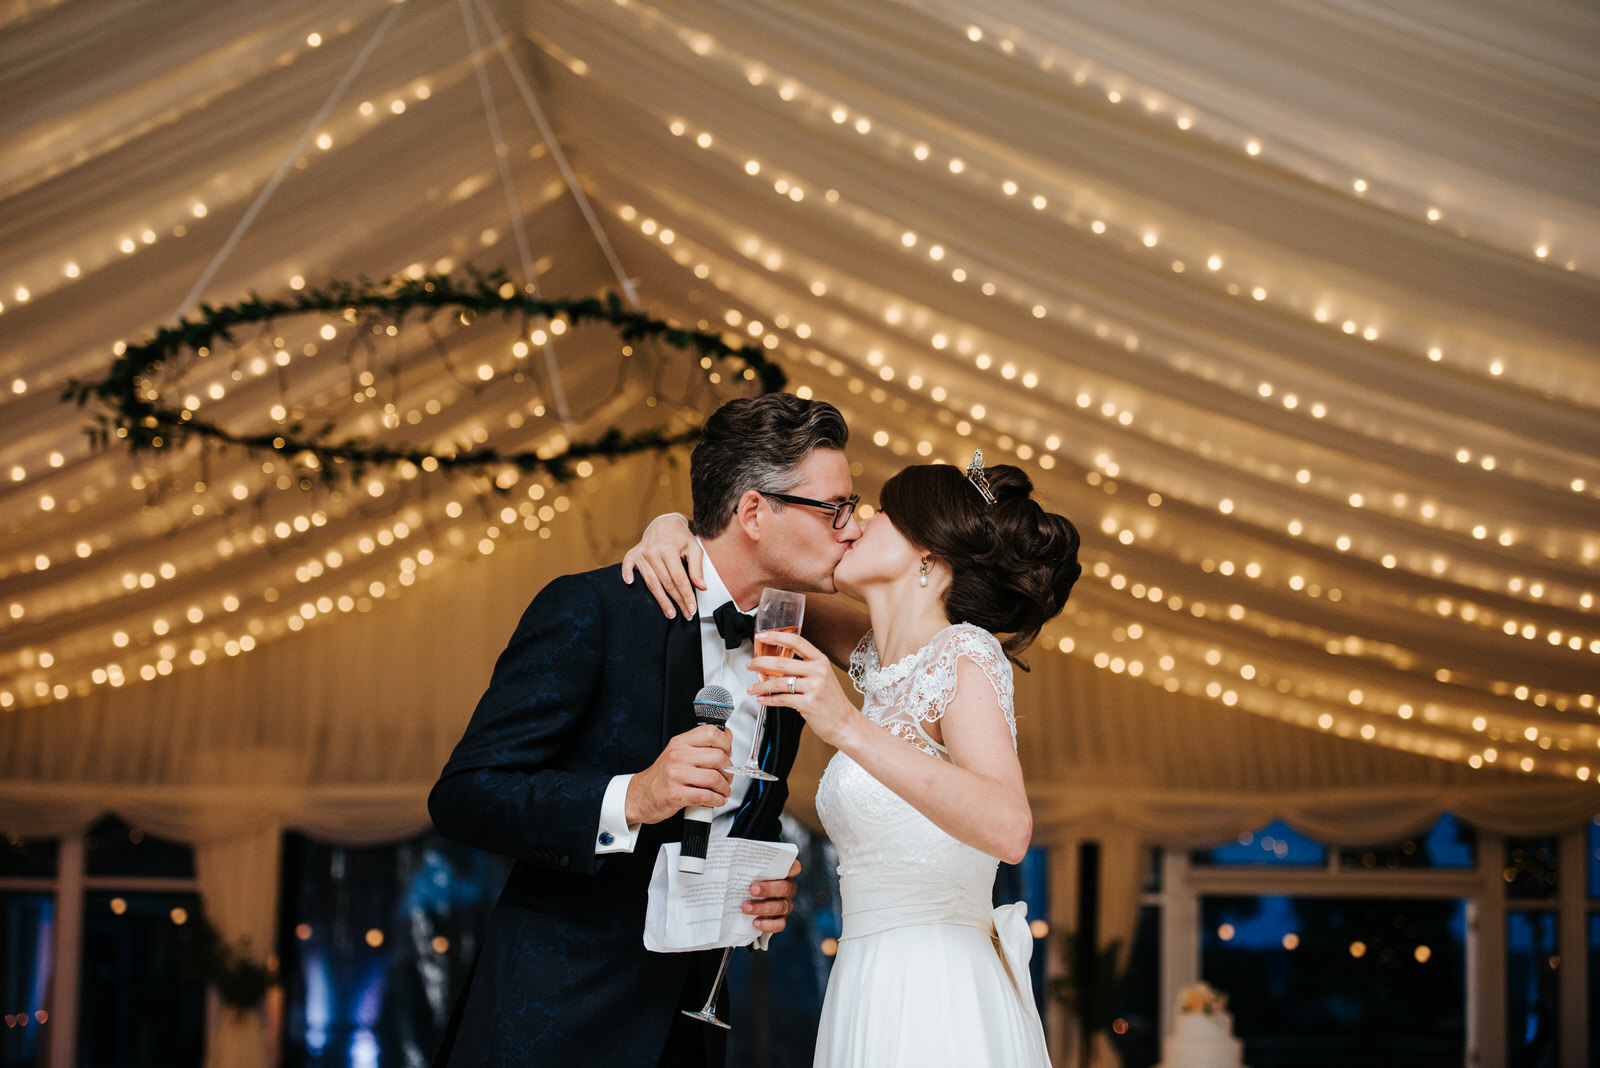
70,887
1482,888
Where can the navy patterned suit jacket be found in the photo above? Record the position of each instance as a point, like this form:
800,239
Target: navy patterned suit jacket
593,684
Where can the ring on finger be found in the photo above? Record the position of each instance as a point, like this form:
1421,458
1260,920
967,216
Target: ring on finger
791,684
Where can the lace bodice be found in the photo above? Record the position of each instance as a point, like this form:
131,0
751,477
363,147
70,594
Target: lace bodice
882,840
915,690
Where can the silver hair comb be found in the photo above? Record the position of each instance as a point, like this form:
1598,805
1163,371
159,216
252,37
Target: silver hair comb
976,476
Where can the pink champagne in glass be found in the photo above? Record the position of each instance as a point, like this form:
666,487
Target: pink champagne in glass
773,648
779,610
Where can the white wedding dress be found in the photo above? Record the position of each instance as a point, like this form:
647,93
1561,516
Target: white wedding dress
928,972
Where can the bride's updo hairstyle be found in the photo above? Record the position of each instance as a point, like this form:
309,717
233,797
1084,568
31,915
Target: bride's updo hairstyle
1012,563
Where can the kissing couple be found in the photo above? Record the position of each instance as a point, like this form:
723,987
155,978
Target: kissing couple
583,752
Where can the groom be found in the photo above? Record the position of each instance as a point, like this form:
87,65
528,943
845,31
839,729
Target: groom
583,752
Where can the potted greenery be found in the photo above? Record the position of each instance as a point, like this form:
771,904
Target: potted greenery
1089,989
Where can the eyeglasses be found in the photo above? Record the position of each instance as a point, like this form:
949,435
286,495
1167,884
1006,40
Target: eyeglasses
842,511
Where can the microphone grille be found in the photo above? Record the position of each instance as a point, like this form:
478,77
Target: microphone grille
713,704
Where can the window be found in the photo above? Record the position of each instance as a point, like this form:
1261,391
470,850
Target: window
27,939
1592,942
23,858
113,849
136,1004
139,897
1593,835
1275,844
1320,982
1449,844
1334,955
1531,870
1594,985
1532,1001
1136,1012
95,914
375,944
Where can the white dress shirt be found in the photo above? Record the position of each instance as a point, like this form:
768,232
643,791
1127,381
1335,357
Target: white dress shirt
720,666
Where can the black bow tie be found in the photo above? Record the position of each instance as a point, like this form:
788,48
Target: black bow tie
735,627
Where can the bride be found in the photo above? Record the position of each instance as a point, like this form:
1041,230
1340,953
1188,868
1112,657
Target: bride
925,793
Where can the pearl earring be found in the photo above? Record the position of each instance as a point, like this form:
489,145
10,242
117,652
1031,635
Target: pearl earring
923,578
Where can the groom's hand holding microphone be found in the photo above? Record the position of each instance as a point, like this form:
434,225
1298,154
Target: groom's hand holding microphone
687,773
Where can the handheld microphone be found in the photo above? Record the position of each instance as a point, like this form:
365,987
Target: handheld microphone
713,705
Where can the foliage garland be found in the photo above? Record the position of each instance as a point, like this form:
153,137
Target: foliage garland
137,415
240,982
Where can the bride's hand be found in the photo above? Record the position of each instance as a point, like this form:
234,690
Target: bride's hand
668,559
814,692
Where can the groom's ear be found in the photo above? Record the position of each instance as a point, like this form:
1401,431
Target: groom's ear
748,515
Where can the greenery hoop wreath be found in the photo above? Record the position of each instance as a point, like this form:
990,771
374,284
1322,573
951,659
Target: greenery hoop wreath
136,414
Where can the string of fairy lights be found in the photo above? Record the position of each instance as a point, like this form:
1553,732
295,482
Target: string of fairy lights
1292,520
1296,711
1140,96
349,570
174,217
154,632
1282,696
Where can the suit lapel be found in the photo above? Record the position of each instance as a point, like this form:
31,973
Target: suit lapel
682,677
763,801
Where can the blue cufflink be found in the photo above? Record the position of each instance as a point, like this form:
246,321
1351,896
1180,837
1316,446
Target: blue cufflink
606,838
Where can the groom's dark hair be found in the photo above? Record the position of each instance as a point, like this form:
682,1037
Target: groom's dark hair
756,443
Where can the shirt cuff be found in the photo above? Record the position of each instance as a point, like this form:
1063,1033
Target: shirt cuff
615,835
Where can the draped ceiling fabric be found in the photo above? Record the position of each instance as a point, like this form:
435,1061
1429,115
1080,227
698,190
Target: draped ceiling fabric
1291,306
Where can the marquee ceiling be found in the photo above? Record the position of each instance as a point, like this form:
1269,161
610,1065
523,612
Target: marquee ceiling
1291,307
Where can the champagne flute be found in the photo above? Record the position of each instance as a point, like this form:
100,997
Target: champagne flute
779,610
708,1012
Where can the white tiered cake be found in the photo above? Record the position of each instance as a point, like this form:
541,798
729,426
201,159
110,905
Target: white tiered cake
1202,1036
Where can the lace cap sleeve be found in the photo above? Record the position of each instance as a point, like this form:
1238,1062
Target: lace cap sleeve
936,684
863,662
